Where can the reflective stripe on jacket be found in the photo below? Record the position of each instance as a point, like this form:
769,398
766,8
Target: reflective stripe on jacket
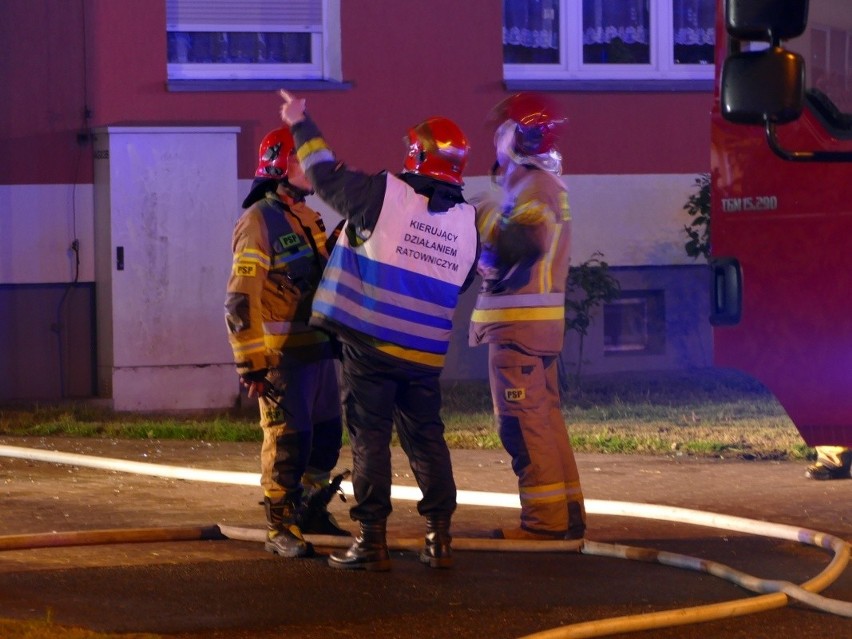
398,289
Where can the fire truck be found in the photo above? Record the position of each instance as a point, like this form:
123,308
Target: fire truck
781,206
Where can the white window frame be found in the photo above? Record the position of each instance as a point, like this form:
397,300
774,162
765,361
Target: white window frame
572,67
325,46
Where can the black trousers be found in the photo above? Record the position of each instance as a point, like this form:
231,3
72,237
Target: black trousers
376,395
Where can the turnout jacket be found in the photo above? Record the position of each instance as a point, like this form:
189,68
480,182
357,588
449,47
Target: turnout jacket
279,254
408,248
524,265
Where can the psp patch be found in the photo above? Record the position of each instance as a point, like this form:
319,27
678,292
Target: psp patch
289,240
515,394
243,269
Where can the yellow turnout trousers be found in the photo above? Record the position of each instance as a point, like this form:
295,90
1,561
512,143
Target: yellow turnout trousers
525,394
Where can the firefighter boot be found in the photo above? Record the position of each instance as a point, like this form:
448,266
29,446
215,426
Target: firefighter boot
833,462
436,552
283,536
369,551
314,518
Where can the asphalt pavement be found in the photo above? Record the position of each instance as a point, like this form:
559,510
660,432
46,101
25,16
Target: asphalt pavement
232,589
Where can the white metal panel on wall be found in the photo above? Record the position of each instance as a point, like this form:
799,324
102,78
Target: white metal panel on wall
163,222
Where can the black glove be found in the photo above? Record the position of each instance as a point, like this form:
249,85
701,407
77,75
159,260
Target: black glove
255,382
257,376
321,497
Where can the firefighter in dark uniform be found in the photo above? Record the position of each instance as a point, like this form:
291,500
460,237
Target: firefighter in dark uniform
280,250
408,248
519,313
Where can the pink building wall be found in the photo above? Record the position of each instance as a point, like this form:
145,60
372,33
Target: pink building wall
405,61
72,66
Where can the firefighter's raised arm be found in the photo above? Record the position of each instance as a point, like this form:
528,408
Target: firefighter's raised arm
292,108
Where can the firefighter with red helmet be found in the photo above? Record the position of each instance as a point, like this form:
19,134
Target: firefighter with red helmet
280,249
408,249
519,313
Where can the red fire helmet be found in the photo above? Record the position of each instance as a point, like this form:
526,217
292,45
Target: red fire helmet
538,121
438,148
274,150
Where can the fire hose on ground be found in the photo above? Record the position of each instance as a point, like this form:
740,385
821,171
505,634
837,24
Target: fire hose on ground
772,593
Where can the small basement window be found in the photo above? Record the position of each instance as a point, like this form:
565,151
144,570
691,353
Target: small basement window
635,324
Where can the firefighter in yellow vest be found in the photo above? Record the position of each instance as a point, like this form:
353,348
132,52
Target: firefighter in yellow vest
519,313
280,248
388,293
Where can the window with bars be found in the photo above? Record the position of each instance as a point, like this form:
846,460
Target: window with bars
249,40
608,39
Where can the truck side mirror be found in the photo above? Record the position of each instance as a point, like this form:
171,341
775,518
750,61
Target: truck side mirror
763,86
768,87
766,20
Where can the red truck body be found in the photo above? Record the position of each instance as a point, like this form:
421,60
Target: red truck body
789,226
